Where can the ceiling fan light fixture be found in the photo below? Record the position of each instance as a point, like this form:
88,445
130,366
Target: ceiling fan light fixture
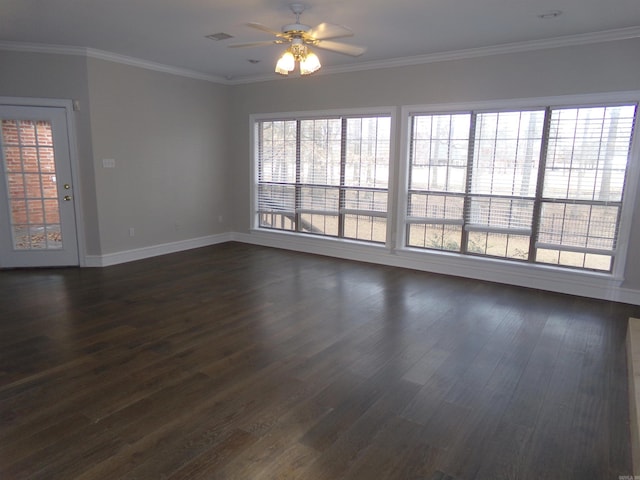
309,64
299,36
286,63
298,52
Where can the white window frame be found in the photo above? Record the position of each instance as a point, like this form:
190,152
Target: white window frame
630,191
390,112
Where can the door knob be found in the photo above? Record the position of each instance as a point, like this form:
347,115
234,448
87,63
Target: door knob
67,198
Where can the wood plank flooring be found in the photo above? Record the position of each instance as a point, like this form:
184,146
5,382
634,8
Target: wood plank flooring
243,362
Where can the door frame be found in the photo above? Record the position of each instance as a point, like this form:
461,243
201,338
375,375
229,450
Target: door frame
68,106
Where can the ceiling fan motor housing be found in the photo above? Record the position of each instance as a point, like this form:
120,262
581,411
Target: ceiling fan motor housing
294,28
300,35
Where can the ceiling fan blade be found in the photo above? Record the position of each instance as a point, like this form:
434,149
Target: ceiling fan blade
325,31
264,28
344,48
254,44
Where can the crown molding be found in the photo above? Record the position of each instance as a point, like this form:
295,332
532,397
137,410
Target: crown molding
158,67
42,48
110,57
517,47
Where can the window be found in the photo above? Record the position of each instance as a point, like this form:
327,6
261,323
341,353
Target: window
539,185
325,176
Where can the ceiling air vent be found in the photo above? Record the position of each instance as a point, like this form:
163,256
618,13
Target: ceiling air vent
219,36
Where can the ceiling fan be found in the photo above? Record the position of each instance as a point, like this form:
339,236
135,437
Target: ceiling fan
300,36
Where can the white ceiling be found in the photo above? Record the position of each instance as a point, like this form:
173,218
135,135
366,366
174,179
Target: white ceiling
172,32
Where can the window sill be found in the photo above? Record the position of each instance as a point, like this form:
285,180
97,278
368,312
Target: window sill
522,268
285,236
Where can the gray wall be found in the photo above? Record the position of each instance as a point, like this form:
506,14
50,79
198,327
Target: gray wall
606,67
60,77
181,145
168,137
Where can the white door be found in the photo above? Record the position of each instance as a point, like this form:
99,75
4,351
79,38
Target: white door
37,215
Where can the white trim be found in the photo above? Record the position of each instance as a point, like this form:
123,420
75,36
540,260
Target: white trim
332,213
43,48
312,115
633,172
545,277
77,184
254,213
73,157
156,67
320,114
402,186
470,227
572,248
36,102
585,284
394,162
110,57
630,199
516,47
116,258
316,244
551,279
501,49
584,100
368,213
433,221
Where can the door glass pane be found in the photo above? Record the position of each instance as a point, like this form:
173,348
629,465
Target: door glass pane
29,164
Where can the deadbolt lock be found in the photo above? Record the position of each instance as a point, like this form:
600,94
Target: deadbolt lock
66,186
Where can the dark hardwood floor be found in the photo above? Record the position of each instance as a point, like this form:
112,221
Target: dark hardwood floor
243,362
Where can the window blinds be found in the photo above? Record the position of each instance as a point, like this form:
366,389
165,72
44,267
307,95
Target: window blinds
545,184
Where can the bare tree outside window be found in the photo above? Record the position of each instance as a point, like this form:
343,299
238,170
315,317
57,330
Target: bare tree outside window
332,176
568,216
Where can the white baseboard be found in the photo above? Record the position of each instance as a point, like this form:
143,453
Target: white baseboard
584,284
598,286
154,250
